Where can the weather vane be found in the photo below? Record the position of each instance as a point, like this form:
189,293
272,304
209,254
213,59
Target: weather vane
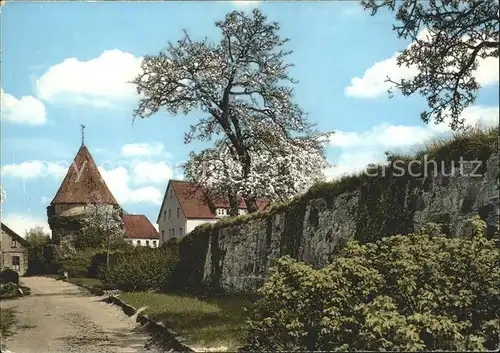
83,134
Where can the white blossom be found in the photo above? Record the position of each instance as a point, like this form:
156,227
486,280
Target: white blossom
242,87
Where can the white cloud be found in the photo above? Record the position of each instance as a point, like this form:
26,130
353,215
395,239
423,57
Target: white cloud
118,181
20,222
142,149
147,194
100,81
373,82
35,169
26,110
245,2
152,172
358,149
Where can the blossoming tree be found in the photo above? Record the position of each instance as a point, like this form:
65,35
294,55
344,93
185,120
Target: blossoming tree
242,86
277,173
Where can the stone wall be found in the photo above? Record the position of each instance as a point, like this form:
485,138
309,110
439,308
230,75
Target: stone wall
313,229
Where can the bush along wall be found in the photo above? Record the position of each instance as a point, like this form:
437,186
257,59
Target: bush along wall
142,269
188,272
314,226
420,292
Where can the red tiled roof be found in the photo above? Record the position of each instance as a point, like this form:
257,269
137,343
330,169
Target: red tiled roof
194,204
137,226
192,199
83,183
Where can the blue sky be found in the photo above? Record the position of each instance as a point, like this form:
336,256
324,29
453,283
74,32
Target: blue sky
66,64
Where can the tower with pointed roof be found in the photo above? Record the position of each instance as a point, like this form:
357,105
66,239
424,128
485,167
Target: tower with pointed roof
82,185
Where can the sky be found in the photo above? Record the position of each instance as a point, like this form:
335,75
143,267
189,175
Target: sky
64,64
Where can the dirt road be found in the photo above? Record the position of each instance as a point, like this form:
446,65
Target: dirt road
60,317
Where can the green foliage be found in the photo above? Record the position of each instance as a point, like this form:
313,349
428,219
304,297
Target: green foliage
193,249
417,292
37,240
78,264
52,256
8,290
9,276
142,269
7,320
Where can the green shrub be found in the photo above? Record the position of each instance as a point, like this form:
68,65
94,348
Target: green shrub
417,292
193,248
77,265
99,261
142,269
8,290
52,256
37,239
9,276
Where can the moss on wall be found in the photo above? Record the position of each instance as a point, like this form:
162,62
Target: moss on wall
193,249
293,230
386,205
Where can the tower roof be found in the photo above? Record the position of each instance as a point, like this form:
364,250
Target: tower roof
83,183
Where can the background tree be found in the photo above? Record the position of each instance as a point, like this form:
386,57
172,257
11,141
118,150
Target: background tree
102,226
449,38
241,83
37,240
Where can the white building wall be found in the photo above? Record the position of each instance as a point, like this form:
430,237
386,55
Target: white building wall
152,243
172,222
193,223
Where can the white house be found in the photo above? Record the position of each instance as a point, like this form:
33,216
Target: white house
185,207
139,231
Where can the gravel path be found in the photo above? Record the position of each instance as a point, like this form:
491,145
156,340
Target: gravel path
59,317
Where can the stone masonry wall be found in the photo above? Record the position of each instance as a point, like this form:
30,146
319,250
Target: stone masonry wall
240,255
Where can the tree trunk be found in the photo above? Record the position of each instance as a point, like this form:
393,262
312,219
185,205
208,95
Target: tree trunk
233,205
107,251
251,202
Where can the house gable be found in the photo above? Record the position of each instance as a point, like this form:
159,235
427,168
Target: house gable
195,204
14,236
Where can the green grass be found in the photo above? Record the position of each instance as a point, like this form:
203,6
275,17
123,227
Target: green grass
203,323
86,282
6,321
53,276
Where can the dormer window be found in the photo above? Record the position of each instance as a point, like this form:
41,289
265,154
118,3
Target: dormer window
221,212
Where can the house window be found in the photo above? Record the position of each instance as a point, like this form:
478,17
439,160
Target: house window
164,215
138,242
147,242
169,214
173,232
170,193
16,263
221,212
178,212
154,243
163,235
14,243
180,231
